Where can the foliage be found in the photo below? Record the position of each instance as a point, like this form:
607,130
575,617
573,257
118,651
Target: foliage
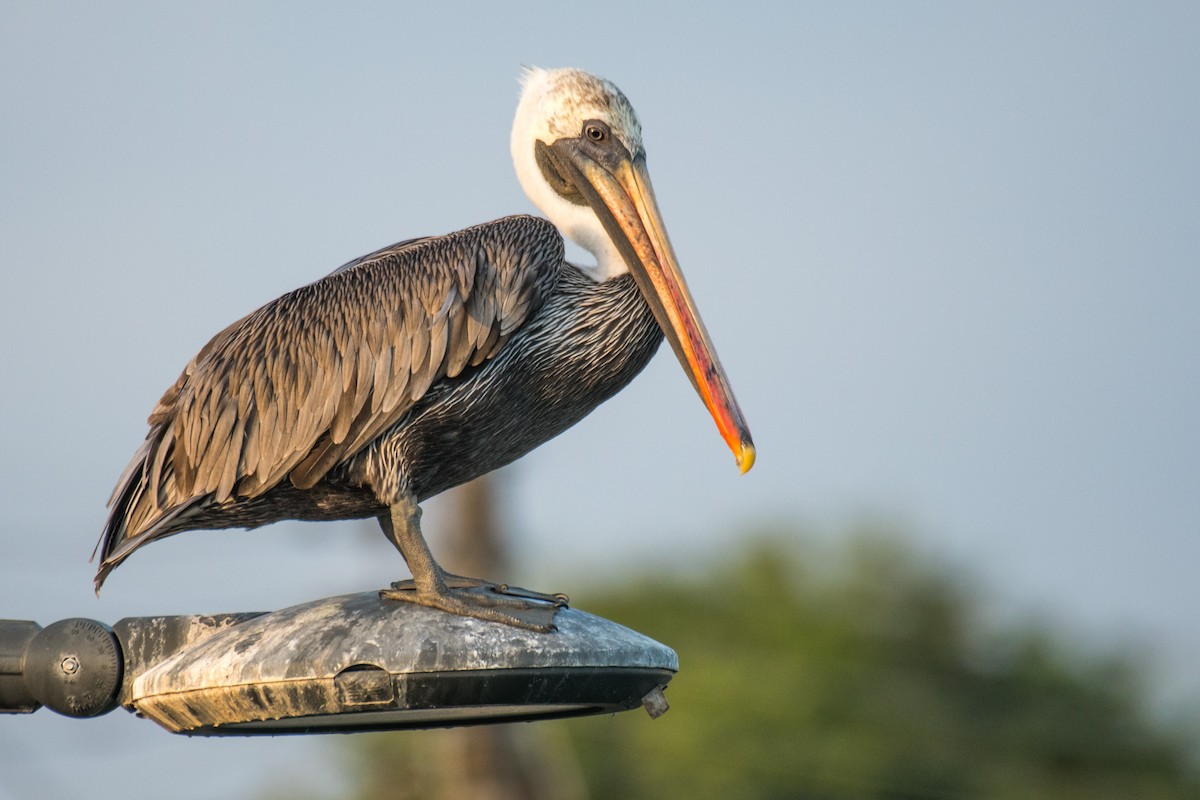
859,673
874,678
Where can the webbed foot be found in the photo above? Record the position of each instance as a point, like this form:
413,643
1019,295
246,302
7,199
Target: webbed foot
473,597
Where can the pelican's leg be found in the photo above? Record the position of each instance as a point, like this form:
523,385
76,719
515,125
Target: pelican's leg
433,587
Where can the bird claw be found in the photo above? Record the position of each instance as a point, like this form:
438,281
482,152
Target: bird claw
471,597
559,599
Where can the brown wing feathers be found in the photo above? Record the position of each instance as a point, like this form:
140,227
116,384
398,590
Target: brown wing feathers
310,379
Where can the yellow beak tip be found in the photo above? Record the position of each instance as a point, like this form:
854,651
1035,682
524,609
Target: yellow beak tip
745,458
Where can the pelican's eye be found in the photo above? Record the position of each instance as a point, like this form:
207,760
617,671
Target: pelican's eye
595,130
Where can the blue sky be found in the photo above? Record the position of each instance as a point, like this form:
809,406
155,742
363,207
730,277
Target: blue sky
949,254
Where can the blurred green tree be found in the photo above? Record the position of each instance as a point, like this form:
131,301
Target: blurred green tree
874,676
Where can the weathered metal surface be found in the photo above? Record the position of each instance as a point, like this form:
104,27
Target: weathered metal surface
74,667
147,641
655,703
358,660
15,695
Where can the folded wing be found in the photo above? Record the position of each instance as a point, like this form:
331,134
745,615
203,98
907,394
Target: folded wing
310,379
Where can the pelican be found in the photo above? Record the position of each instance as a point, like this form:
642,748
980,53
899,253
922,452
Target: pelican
426,364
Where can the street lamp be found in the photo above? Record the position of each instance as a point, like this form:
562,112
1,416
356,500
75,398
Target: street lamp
340,664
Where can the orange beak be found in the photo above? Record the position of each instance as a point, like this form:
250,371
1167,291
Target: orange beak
620,193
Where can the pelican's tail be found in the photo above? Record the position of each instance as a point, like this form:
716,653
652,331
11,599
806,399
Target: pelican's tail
139,509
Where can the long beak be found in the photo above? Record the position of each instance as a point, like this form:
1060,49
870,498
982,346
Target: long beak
618,189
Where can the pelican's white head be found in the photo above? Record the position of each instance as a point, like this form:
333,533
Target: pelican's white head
577,147
556,104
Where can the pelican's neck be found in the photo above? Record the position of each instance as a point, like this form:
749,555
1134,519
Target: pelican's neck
609,262
577,223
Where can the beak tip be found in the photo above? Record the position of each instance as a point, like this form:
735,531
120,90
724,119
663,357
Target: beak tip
745,457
